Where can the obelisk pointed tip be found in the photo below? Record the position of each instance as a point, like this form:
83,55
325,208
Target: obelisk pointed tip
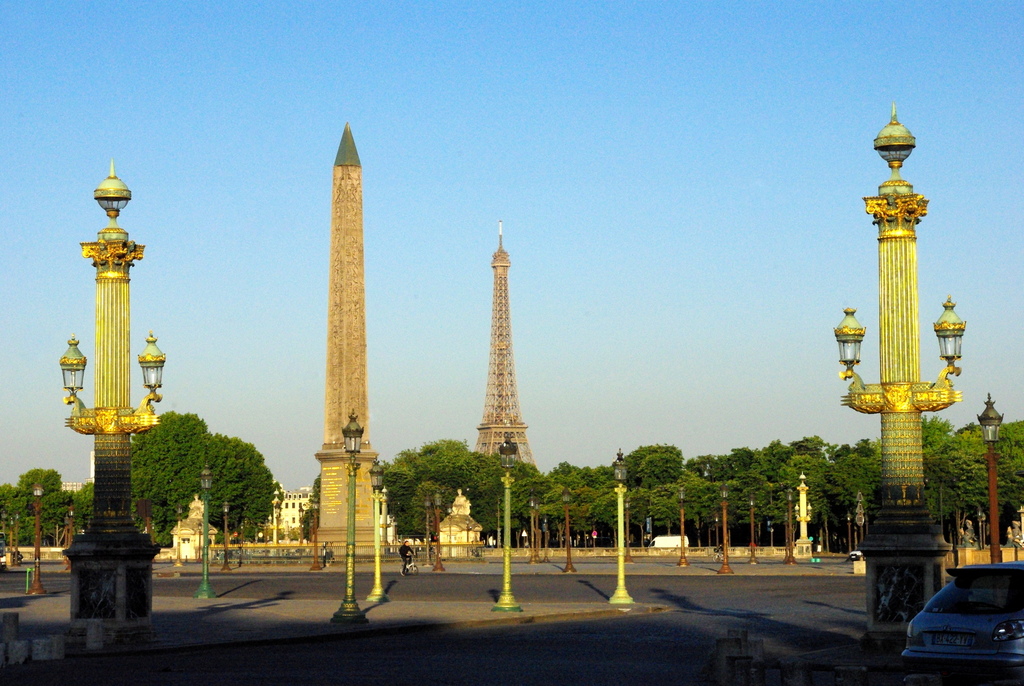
347,155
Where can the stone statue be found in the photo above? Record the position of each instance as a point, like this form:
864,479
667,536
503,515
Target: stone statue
967,537
461,505
1013,535
195,508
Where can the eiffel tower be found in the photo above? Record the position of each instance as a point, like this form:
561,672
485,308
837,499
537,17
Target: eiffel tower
501,407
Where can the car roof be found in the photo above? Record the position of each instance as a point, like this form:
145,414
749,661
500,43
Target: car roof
999,566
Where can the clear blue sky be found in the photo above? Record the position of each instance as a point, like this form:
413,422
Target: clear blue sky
680,183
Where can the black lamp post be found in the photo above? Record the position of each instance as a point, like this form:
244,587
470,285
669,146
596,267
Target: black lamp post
206,482
438,567
37,583
315,567
683,562
566,499
849,534
789,559
534,506
226,567
990,421
349,611
725,568
753,543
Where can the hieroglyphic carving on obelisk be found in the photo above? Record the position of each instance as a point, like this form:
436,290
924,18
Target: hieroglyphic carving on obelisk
346,386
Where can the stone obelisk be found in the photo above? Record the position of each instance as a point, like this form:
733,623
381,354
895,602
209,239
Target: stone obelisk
346,386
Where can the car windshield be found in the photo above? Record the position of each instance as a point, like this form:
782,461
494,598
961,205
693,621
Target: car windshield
981,591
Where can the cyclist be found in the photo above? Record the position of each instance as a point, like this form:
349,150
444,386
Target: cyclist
405,550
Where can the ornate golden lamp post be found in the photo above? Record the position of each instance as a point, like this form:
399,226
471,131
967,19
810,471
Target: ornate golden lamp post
206,483
37,583
990,420
277,516
349,612
506,601
725,568
177,557
625,505
566,499
683,562
621,596
904,550
112,563
753,543
226,567
377,594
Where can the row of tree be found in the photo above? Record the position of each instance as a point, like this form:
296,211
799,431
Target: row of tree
167,460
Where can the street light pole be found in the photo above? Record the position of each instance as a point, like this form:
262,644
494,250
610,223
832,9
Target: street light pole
628,558
990,421
177,557
566,499
226,567
506,601
534,504
349,612
753,543
683,562
621,596
70,536
725,568
37,583
206,482
438,566
316,544
789,559
377,594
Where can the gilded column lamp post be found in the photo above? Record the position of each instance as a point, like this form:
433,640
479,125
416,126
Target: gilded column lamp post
508,451
566,499
905,549
683,562
789,559
349,612
534,506
625,504
37,583
112,562
725,568
206,483
753,534
226,567
315,524
377,594
621,596
990,420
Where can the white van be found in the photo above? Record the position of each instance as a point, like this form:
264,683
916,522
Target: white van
668,542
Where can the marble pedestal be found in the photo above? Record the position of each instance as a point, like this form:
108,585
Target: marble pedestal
112,580
904,570
803,547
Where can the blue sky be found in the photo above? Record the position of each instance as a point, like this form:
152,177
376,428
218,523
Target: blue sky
680,185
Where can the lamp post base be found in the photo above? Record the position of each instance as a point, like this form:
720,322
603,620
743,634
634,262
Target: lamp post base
349,613
112,580
377,595
620,597
506,603
905,566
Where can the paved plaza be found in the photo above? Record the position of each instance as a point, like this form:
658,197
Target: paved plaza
271,623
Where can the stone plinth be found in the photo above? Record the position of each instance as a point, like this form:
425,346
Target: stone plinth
111,580
904,570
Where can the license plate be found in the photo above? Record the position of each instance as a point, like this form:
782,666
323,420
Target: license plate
949,638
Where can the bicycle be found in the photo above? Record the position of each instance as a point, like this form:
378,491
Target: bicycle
717,554
410,567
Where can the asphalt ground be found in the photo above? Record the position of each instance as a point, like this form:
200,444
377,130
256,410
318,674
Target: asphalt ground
271,624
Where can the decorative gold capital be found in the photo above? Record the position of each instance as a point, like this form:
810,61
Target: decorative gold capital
113,258
900,211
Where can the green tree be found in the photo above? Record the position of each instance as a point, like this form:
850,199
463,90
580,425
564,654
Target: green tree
167,461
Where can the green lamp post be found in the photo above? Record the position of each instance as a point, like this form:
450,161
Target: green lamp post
349,612
621,596
506,601
206,482
377,594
